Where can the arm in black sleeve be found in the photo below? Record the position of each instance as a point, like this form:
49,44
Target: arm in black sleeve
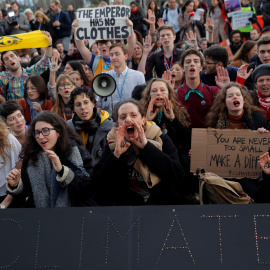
165,164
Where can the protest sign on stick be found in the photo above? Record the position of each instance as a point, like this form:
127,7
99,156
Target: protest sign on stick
230,153
103,23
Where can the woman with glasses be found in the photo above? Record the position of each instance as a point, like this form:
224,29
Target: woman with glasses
91,123
34,100
64,86
56,168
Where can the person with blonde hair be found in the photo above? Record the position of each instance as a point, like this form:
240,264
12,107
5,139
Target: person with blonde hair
9,156
42,22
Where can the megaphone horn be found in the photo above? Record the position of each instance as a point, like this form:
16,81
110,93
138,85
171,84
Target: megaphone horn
104,85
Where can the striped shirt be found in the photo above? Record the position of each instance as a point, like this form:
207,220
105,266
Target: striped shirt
15,88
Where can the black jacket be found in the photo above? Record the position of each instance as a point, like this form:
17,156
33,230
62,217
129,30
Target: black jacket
111,176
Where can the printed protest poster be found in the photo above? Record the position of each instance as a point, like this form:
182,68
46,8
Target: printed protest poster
229,153
103,23
232,6
241,19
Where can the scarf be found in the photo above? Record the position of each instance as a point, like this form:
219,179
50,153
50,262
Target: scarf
134,11
47,191
152,133
33,112
225,123
87,129
264,104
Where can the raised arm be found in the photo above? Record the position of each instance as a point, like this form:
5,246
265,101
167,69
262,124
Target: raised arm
86,54
131,40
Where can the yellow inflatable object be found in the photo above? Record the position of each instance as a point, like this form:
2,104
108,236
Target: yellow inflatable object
35,39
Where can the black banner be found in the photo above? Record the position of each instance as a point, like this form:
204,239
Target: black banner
137,238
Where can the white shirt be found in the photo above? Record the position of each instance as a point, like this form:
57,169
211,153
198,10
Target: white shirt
126,82
12,157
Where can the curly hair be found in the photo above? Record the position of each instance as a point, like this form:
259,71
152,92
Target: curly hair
4,142
62,147
179,110
219,112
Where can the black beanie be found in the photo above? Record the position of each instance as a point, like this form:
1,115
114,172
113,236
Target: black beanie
261,70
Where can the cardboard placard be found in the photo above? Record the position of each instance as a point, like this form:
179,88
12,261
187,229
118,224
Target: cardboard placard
226,44
103,23
228,153
241,19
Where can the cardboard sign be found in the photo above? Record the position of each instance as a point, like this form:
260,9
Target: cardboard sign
226,44
227,152
103,23
241,19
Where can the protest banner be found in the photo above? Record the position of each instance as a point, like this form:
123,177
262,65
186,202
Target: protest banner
228,153
241,19
232,6
226,44
22,41
103,23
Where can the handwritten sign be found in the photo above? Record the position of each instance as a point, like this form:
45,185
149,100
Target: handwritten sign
103,23
228,153
241,19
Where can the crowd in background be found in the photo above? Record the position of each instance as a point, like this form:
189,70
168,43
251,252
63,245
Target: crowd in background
64,145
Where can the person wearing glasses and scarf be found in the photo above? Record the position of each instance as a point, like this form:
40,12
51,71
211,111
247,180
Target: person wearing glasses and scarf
56,169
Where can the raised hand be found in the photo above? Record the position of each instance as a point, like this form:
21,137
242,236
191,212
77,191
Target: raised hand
265,163
54,66
151,114
151,17
167,76
222,77
147,46
210,25
262,130
242,71
141,140
13,177
191,40
160,22
57,165
168,109
129,22
121,144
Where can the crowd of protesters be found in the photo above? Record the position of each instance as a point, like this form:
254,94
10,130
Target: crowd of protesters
63,145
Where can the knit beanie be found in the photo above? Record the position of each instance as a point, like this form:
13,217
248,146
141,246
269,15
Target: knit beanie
261,70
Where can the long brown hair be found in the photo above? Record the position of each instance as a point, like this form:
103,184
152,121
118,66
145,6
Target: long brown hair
59,107
4,141
242,53
179,110
219,109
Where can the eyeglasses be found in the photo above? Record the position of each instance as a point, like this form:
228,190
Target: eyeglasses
63,86
209,63
44,132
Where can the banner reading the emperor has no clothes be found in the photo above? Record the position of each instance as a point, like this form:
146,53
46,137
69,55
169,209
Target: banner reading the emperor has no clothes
103,23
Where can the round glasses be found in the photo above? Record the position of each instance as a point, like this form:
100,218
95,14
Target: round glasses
44,132
63,86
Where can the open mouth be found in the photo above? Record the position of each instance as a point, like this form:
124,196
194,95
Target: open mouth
44,143
67,92
236,103
192,70
84,114
130,131
173,75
